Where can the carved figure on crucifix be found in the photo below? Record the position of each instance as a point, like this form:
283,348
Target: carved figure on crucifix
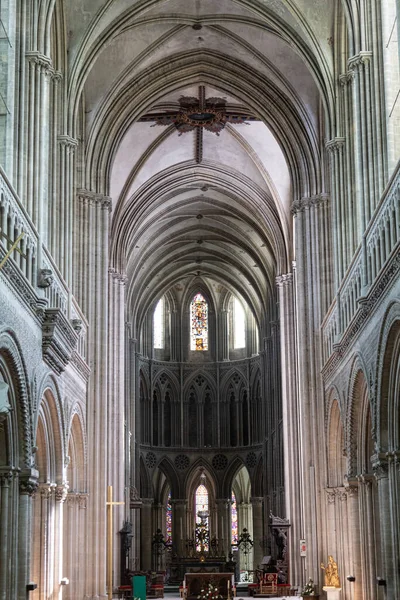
199,114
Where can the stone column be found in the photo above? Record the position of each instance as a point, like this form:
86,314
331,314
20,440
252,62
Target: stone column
60,492
224,523
312,218
116,410
179,525
258,530
93,252
368,541
5,480
146,534
290,417
354,526
381,471
27,487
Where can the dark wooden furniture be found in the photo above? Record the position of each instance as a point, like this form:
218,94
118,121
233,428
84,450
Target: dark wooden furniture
195,582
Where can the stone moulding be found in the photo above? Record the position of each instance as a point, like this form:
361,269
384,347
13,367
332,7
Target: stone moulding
367,305
59,339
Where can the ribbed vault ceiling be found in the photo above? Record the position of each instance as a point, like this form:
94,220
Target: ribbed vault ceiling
225,218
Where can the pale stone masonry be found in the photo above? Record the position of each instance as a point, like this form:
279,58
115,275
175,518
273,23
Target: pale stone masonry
293,216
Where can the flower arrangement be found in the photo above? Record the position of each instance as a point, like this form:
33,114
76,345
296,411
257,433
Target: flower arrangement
309,589
210,593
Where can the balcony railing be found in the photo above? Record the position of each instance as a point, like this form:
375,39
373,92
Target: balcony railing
380,244
14,221
28,264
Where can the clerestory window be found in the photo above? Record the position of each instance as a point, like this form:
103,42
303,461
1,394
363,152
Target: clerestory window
199,323
158,325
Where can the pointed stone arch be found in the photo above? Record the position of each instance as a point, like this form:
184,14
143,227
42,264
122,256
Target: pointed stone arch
15,375
358,397
387,381
336,446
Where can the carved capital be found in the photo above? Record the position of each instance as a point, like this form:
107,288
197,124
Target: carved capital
56,76
6,478
346,78
28,482
61,492
380,466
93,199
82,501
117,276
284,280
331,495
43,63
306,203
335,145
45,490
359,60
68,142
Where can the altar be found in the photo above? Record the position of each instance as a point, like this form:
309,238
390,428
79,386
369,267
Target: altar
195,582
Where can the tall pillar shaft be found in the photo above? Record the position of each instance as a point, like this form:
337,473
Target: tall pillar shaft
258,530
146,534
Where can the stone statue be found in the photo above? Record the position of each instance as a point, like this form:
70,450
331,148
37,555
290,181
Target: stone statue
331,573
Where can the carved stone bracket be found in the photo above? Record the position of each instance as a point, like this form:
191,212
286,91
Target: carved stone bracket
135,500
28,482
59,339
45,278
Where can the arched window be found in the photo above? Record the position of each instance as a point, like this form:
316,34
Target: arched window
198,323
201,500
168,520
234,519
158,325
201,504
239,325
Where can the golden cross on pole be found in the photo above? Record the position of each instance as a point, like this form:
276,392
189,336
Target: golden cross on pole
13,247
110,505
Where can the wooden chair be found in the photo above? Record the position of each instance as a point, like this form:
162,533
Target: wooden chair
269,584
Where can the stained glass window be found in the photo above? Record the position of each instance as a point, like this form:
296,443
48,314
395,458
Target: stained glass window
168,520
234,520
199,323
201,504
158,325
239,325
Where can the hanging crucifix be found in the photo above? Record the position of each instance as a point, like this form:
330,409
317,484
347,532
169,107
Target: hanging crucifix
197,114
14,246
